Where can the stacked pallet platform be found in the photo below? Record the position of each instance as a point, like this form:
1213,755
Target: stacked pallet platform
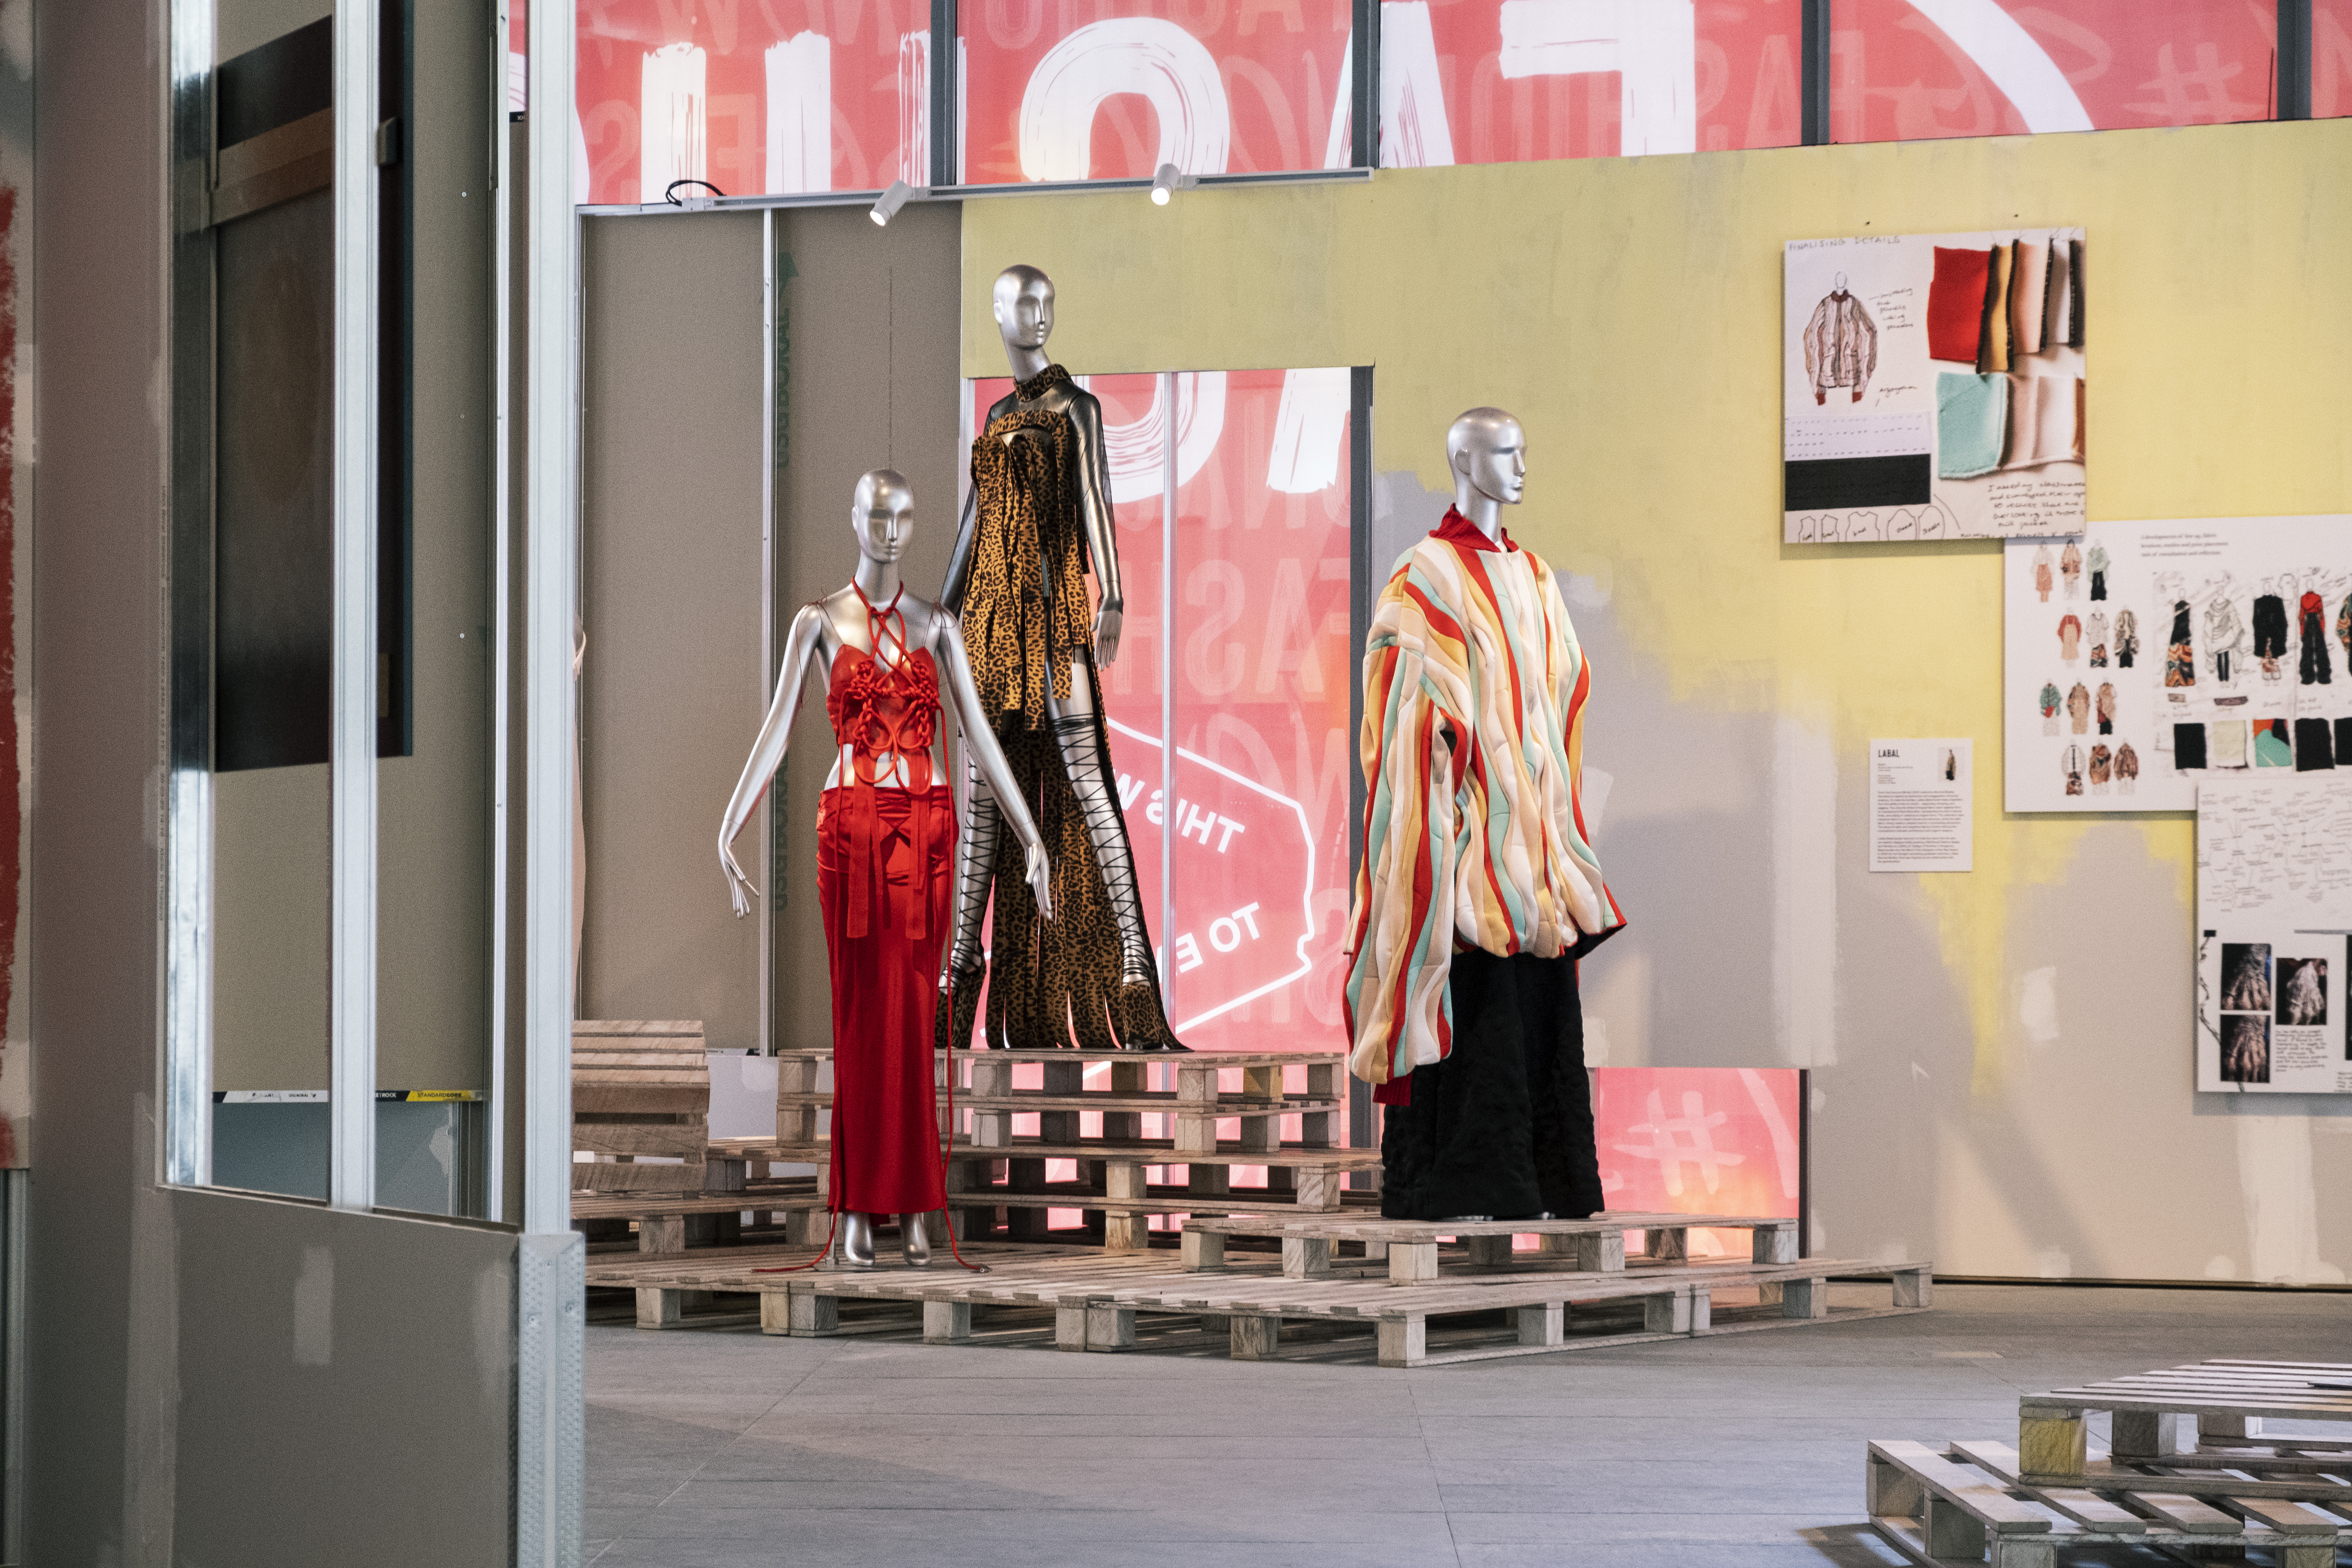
998,1168
1100,1299
2190,1471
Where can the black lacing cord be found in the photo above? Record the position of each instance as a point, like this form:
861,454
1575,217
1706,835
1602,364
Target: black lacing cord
670,195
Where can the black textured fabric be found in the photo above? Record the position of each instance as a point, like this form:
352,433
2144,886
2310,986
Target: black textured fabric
2188,746
1504,1125
2343,743
2312,750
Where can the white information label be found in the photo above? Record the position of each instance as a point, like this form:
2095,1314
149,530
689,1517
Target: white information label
1920,805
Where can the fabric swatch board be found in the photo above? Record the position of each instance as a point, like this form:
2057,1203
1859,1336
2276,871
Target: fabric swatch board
2045,423
1956,304
1971,422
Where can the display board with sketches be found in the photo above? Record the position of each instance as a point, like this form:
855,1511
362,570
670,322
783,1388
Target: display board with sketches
1932,386
2273,911
2141,658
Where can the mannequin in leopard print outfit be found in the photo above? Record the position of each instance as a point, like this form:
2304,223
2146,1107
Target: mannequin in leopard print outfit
1039,515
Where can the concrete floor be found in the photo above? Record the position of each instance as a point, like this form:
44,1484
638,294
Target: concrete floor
719,1449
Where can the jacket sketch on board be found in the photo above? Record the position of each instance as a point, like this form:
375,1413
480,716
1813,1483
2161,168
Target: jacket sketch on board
2314,669
2050,700
2225,640
1841,345
2126,638
2180,657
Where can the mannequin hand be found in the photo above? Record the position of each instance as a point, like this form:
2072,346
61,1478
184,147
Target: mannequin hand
738,886
1107,621
1041,879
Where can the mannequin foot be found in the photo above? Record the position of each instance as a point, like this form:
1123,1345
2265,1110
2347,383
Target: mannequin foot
915,1240
853,1246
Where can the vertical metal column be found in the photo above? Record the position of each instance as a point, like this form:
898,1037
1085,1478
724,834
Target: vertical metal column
945,104
1364,88
1168,697
1364,582
502,478
550,1288
351,1073
2294,59
771,301
1813,74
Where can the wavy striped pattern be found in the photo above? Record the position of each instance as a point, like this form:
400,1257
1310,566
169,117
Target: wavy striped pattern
1474,836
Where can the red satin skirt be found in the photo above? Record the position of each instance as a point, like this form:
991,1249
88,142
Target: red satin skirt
885,871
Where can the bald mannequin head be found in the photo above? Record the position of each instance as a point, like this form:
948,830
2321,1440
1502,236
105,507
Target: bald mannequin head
882,514
1488,454
1024,304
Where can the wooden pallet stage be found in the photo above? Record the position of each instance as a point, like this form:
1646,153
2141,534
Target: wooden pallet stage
2207,1415
671,1222
1096,1298
1414,1251
1969,1503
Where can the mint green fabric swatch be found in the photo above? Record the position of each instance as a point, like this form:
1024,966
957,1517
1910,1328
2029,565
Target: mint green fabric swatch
1971,417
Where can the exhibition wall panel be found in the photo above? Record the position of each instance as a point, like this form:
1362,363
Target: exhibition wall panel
2000,1066
2331,59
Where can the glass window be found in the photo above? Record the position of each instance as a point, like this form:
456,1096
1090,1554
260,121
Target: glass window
1497,82
2331,59
738,96
1213,86
1903,70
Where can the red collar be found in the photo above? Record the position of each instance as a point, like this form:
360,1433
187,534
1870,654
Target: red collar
1459,529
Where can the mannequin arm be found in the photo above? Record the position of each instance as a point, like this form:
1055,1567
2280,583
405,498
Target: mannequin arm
768,752
1102,538
989,758
960,559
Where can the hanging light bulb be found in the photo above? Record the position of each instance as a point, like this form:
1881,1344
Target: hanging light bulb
892,200
1168,181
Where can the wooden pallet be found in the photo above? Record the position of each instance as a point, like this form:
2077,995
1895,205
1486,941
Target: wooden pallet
1414,1247
1969,1502
984,1087
2208,1414
639,1087
671,1222
1096,1298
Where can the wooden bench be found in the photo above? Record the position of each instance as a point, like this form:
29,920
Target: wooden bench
642,1088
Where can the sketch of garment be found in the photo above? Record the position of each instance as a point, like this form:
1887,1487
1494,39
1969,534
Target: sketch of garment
2270,625
2272,747
2127,768
2314,666
2302,991
2071,764
1841,346
2103,767
2179,658
2078,709
2126,638
2104,708
2070,567
2225,639
2226,743
2042,576
2050,700
2070,637
2343,629
2099,562
2095,632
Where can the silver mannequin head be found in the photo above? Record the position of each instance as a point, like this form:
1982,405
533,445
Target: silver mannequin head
1488,454
882,514
1024,305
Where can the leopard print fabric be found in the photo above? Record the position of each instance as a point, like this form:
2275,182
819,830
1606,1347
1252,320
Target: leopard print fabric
1048,985
1024,611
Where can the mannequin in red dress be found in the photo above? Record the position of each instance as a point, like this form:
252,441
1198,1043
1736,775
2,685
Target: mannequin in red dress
886,841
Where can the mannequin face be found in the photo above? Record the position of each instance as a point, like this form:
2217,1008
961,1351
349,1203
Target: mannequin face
882,515
1491,453
1024,307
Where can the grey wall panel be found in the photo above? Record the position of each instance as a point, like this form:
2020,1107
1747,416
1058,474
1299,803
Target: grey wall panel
671,454
872,384
358,1414
96,695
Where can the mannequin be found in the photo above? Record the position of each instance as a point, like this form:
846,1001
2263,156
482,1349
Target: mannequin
886,836
1038,516
1478,891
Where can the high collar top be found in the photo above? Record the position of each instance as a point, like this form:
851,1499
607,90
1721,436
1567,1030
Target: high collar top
1459,529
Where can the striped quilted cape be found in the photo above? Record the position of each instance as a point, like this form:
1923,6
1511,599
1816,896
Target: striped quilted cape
1474,836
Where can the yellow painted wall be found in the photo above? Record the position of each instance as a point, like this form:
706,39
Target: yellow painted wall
1629,311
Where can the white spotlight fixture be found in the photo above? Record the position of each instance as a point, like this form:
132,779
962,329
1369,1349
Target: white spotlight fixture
892,200
1168,179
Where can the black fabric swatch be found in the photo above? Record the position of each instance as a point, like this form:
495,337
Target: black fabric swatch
1833,484
2312,747
2188,746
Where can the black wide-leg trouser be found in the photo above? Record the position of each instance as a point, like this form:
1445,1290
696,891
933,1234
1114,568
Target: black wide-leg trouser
1504,1125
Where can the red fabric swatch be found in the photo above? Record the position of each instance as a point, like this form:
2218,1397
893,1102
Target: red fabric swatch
1956,303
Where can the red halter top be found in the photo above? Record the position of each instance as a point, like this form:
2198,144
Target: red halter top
885,707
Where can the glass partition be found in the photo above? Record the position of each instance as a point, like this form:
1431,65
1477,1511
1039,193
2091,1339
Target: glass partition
1903,70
